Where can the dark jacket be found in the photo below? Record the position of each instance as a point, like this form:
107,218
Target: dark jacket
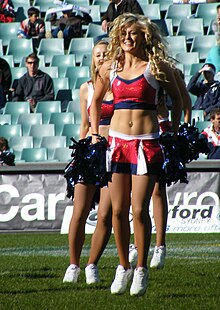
5,81
126,6
199,89
212,98
39,87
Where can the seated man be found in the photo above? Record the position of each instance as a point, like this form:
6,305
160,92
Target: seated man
69,26
200,88
32,27
35,85
212,133
5,82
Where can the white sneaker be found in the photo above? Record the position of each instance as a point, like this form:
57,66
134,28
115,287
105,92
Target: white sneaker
158,259
92,274
140,281
122,278
72,274
133,255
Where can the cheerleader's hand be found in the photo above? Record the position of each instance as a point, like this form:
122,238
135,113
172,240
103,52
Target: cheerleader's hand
95,138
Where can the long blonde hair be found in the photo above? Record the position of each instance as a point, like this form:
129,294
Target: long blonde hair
93,69
154,46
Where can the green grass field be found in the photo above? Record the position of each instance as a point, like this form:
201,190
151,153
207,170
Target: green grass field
32,268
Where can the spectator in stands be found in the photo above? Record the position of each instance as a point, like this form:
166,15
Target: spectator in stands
32,27
7,13
200,87
35,85
69,25
118,7
5,82
212,133
6,157
211,99
216,22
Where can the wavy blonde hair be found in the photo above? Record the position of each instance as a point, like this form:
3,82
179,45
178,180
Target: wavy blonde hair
93,69
154,46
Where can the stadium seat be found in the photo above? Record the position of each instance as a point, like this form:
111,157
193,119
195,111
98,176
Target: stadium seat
73,106
75,72
202,45
94,30
51,143
80,46
198,115
5,119
79,82
52,71
27,120
164,4
39,131
8,31
95,13
176,44
71,130
103,4
152,11
206,11
8,131
77,118
63,62
18,48
169,24
44,5
17,73
190,28
19,3
62,154
86,60
34,154
177,12
187,59
9,59
60,83
60,119
15,109
19,143
51,47
201,125
46,108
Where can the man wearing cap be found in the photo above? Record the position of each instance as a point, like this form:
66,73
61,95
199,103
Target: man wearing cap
199,87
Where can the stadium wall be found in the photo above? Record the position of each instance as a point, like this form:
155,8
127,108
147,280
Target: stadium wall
32,198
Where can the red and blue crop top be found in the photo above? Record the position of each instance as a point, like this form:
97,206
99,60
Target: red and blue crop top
107,107
138,93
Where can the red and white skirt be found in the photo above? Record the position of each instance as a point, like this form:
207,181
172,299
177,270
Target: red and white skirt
139,154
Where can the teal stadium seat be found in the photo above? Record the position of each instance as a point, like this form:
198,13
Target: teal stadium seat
195,68
5,119
80,46
206,11
177,12
63,62
60,84
8,131
164,4
201,125
190,28
202,45
76,72
86,60
80,81
152,11
71,130
17,73
62,154
34,154
8,31
27,120
39,131
18,48
94,30
103,4
198,115
51,143
51,47
15,109
9,59
95,13
59,119
187,59
52,71
73,106
176,44
46,108
19,143
44,5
